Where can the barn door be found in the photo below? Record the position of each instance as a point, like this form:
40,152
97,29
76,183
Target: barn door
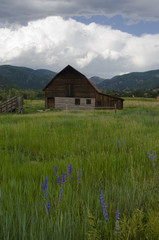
69,90
50,102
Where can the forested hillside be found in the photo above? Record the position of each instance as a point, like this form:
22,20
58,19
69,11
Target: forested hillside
132,81
24,78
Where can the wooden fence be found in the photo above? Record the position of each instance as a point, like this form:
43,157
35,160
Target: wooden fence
14,104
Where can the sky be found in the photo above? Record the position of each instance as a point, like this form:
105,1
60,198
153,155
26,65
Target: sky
97,37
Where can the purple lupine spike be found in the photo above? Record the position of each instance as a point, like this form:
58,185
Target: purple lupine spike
45,195
117,223
119,144
104,206
56,169
48,206
117,214
70,170
64,178
59,181
79,176
154,159
124,142
61,195
44,189
150,156
45,185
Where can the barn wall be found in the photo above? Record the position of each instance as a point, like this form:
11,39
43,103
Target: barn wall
69,83
65,103
108,102
81,86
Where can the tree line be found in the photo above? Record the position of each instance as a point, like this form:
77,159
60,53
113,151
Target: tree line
148,93
6,94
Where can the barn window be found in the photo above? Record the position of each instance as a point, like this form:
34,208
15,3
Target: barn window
88,101
99,103
69,90
77,101
50,102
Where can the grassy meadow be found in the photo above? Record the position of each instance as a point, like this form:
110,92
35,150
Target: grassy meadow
68,175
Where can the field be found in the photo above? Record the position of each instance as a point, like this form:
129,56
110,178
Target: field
80,174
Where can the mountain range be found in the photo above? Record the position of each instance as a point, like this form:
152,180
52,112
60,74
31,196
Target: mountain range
24,78
131,81
27,78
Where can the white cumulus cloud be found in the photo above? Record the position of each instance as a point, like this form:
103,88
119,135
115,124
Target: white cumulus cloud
55,42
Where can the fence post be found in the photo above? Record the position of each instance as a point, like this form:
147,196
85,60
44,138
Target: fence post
115,108
66,111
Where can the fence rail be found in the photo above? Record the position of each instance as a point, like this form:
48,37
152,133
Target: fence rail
11,105
89,108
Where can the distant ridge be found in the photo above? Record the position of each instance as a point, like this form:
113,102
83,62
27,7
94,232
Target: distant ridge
131,81
27,78
97,80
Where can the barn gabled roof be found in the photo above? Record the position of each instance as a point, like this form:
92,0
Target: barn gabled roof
67,69
70,69
94,86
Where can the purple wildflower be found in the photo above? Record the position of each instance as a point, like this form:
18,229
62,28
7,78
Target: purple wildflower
117,214
61,195
64,178
56,171
79,176
117,223
45,184
118,145
154,159
150,156
45,187
48,206
59,181
124,142
104,206
70,171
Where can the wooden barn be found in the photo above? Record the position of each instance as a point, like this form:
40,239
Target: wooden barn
71,90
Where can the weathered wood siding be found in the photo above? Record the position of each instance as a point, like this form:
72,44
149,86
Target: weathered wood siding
65,103
70,83
81,87
11,105
109,102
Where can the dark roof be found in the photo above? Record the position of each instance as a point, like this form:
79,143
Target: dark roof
94,86
70,69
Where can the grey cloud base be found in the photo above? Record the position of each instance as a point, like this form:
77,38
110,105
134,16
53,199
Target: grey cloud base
22,11
54,42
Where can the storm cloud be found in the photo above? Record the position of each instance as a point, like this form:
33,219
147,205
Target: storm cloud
55,42
22,11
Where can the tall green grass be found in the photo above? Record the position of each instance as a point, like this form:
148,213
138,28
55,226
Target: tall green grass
111,150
